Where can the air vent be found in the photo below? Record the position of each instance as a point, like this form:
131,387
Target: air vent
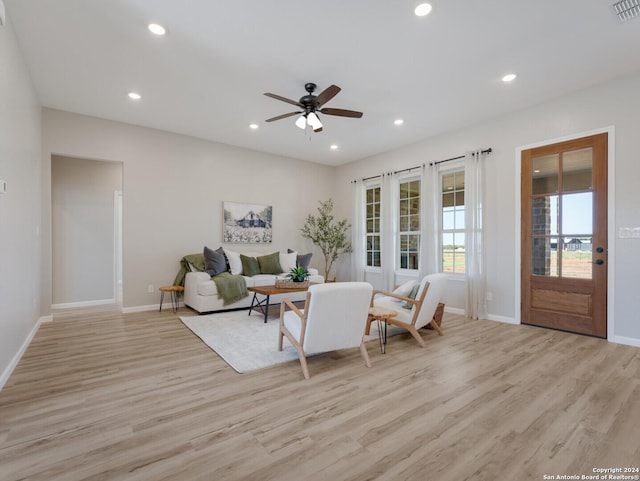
626,9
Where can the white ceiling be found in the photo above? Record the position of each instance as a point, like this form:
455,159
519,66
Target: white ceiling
207,76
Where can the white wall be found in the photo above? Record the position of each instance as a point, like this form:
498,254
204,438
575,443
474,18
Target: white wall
613,104
174,187
19,206
83,233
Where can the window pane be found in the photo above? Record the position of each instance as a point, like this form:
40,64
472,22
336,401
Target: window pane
448,182
544,215
404,190
577,257
448,219
459,217
448,200
577,214
545,174
577,167
414,223
544,256
404,207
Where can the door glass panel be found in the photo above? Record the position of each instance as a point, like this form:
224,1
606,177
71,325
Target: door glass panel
577,257
577,214
577,169
544,175
544,256
544,215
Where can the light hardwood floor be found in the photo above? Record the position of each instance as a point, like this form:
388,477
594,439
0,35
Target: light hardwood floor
104,396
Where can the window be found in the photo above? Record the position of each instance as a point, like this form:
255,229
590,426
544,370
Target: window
409,224
373,226
452,241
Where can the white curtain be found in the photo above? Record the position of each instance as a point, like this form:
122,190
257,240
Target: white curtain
358,231
389,209
429,190
476,304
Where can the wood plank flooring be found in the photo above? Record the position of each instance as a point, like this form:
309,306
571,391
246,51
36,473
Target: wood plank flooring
104,396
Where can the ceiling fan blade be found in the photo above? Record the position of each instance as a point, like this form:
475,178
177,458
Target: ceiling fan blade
342,113
289,101
319,129
283,116
326,95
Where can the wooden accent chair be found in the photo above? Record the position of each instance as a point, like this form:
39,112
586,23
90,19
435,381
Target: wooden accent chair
423,307
334,317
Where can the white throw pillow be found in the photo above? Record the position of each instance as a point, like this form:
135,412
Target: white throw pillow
287,261
405,289
235,264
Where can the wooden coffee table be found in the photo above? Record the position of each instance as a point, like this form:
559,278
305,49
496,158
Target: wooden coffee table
268,291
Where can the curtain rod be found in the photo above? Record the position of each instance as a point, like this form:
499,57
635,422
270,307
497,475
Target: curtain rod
485,151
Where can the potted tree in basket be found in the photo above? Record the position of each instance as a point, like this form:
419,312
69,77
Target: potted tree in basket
329,235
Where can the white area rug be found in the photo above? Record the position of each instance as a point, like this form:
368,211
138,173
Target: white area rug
245,342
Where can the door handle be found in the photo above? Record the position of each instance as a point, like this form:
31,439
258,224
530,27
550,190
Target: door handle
599,262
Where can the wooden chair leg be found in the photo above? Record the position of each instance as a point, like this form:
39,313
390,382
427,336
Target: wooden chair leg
280,338
368,328
365,354
303,363
436,327
417,335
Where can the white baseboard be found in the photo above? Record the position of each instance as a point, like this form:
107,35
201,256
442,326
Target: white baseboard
490,317
454,310
507,320
629,341
16,359
99,302
150,307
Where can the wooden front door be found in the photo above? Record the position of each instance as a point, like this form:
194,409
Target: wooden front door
564,236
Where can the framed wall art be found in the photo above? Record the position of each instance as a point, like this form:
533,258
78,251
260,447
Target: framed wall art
247,223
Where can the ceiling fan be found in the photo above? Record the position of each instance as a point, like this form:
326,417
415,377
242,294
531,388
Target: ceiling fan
311,105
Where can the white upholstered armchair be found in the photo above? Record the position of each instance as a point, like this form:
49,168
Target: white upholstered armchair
412,314
334,317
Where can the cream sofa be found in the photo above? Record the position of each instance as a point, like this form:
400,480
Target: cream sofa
200,291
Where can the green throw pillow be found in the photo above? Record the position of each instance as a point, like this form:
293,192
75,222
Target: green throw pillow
250,266
270,264
412,295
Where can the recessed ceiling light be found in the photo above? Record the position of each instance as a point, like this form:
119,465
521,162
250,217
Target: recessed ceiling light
509,77
334,147
398,121
253,126
157,29
422,9
134,96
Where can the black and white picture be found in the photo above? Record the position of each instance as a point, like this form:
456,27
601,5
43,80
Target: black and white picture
247,223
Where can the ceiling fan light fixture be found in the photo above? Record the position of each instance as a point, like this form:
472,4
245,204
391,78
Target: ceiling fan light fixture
422,9
314,121
301,122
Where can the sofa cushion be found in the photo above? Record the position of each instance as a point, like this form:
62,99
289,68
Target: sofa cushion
235,264
264,280
250,265
270,264
303,260
220,250
214,262
288,260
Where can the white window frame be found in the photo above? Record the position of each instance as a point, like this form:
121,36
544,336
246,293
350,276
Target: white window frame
367,187
398,233
458,167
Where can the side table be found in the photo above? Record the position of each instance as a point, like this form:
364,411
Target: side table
174,291
380,314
